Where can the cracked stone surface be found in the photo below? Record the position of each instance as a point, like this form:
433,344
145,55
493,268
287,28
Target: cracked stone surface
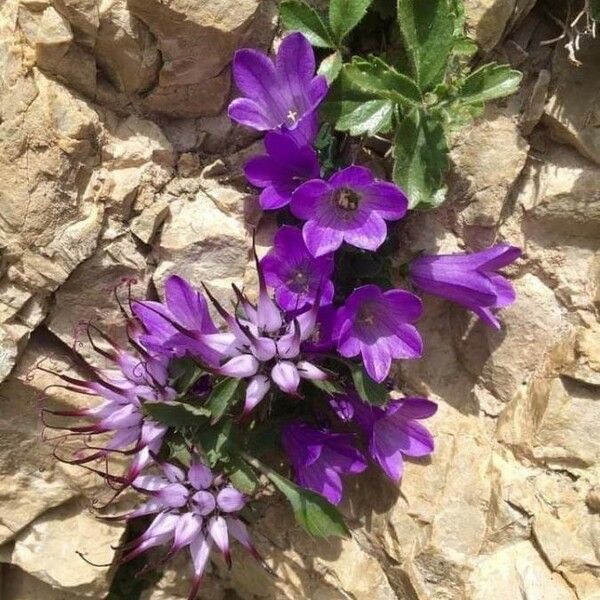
118,164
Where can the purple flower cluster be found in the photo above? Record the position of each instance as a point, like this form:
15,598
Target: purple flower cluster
302,331
350,207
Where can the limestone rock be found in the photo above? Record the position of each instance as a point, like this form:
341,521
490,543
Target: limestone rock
48,225
32,482
572,109
482,191
196,43
522,573
125,48
18,585
561,200
48,549
88,296
487,20
203,243
536,320
566,433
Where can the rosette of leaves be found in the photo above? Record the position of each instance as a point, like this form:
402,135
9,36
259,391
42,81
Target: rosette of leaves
415,94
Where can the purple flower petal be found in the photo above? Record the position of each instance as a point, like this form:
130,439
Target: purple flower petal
249,113
285,375
309,371
188,527
282,95
307,197
321,239
204,502
351,177
377,359
173,495
241,366
322,480
384,448
200,476
388,200
413,408
369,234
200,548
257,388
187,305
230,500
217,528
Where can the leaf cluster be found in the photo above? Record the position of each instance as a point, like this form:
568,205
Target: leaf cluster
413,96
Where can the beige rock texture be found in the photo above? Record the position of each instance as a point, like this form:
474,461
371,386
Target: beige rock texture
118,167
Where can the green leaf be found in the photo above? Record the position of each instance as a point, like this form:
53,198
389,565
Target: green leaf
421,158
184,373
427,28
368,117
178,450
489,82
345,15
465,47
242,475
315,514
215,442
594,8
379,79
370,391
224,394
330,66
178,415
299,16
343,98
328,386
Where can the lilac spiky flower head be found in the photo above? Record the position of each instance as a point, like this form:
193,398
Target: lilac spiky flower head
350,207
193,508
391,432
284,167
133,379
320,458
264,346
378,326
470,280
296,276
282,94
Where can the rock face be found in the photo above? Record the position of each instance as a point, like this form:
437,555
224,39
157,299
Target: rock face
118,167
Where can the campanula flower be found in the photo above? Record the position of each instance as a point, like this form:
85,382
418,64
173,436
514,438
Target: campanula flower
391,432
281,170
320,458
377,325
174,328
350,207
470,280
282,94
296,276
193,509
